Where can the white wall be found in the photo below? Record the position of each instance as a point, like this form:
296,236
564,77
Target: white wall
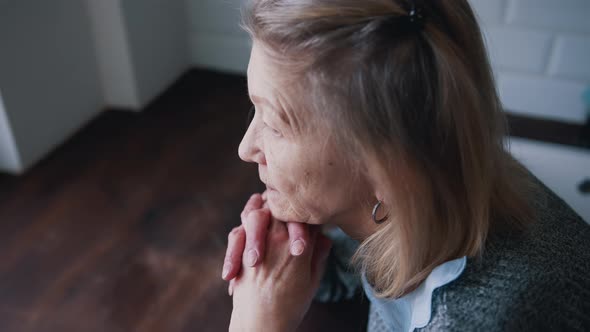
540,49
117,76
158,43
48,74
561,168
9,158
63,61
142,47
215,38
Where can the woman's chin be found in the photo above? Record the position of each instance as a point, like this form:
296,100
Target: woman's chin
275,205
280,208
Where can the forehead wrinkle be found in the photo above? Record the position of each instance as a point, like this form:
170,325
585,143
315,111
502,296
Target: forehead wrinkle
283,110
266,80
278,109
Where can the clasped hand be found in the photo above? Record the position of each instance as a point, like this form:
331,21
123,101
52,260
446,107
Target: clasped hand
274,269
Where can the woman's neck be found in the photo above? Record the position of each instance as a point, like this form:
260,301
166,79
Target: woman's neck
356,224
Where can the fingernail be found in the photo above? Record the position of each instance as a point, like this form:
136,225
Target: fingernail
297,248
252,257
226,269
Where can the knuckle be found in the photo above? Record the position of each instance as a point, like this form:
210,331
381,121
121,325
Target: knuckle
253,219
257,216
253,244
244,216
234,233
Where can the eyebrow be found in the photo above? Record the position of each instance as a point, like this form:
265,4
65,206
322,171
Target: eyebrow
282,115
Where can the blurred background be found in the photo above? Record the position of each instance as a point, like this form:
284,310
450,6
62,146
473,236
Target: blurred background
119,175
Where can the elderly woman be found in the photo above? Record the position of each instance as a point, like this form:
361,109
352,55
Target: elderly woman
381,117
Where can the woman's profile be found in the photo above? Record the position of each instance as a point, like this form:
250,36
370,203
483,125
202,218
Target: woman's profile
381,117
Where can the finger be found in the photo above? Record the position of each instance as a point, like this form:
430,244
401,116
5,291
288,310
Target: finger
254,203
298,236
278,228
305,258
320,255
230,288
264,197
236,241
256,226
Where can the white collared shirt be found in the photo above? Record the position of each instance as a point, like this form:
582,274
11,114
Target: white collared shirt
412,310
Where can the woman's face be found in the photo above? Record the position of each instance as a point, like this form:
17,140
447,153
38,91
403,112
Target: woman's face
305,178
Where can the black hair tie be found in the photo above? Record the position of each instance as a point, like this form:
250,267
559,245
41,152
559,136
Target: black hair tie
416,17
411,23
414,21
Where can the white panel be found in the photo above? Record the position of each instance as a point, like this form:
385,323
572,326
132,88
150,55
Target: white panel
215,16
216,39
114,59
519,49
560,168
542,97
158,40
490,12
9,158
572,58
568,15
49,75
222,52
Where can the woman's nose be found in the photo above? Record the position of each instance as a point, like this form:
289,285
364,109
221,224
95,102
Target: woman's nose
249,149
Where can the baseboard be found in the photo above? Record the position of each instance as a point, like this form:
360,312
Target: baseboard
548,130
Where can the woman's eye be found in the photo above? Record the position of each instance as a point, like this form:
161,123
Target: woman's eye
272,130
251,115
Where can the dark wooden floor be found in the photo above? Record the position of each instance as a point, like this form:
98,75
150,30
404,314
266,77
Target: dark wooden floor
123,228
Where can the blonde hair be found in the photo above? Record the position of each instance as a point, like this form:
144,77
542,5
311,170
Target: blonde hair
422,110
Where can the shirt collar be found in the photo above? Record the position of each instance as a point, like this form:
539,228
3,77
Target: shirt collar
413,310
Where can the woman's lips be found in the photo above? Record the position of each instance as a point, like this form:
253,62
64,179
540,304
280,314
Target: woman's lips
268,187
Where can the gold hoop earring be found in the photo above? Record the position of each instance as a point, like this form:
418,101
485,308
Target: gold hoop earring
374,215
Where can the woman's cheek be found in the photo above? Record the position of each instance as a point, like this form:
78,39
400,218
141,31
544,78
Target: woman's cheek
283,167
278,165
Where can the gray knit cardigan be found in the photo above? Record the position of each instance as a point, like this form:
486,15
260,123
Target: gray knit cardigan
536,280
